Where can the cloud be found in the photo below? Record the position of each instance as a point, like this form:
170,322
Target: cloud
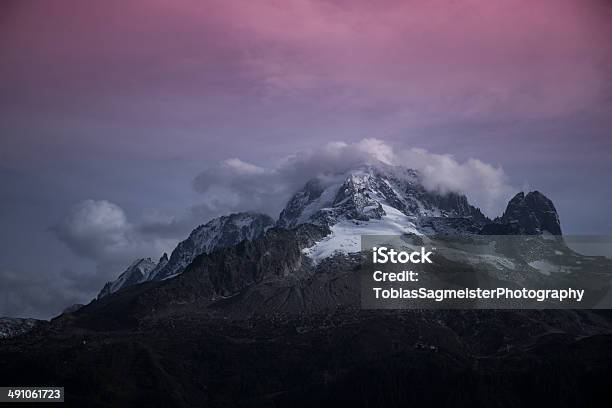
432,59
485,185
30,293
405,64
235,185
96,230
101,232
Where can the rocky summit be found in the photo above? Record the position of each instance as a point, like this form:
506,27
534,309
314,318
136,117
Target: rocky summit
370,193
137,272
532,214
218,233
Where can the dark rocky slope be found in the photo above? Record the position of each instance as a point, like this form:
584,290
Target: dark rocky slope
529,214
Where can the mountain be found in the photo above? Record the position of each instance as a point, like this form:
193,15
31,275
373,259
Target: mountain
318,237
13,326
307,262
324,219
369,193
377,200
135,273
530,214
161,264
217,233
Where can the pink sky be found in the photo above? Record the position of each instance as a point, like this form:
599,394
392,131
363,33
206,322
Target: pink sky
191,68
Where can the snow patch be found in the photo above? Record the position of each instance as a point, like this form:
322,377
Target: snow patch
346,235
544,267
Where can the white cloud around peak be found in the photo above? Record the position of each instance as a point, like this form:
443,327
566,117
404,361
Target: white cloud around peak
235,185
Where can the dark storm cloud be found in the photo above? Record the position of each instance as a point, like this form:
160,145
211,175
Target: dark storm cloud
100,231
42,293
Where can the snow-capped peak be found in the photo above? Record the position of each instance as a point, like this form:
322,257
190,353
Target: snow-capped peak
362,193
135,273
217,233
375,200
